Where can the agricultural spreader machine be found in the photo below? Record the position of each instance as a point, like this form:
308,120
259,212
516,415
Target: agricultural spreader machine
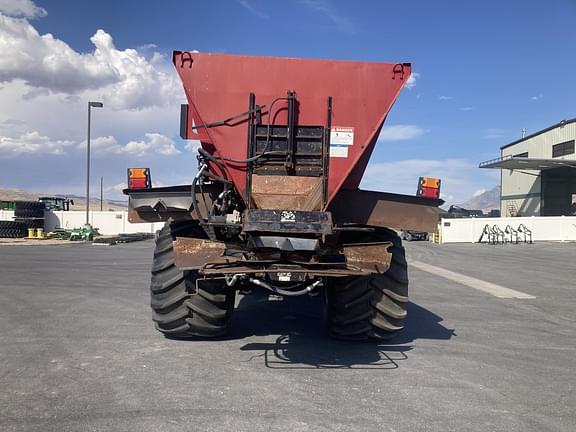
275,203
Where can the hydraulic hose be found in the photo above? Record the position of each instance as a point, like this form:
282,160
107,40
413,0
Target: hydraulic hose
284,292
194,203
253,158
213,159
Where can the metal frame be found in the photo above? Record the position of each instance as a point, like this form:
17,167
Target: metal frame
255,119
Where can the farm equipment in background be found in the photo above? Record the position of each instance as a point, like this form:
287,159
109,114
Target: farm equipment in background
27,215
57,203
7,205
275,203
85,233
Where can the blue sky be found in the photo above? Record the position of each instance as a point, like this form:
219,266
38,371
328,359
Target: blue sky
484,70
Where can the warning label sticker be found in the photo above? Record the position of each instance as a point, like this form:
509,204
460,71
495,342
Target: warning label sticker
338,150
342,135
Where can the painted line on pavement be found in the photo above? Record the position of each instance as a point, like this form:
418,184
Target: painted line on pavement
487,287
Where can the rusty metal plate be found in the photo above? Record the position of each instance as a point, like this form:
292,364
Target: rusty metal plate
192,253
287,192
385,210
374,258
144,216
208,257
164,203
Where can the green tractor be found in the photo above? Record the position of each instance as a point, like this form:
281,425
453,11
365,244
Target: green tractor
56,203
7,205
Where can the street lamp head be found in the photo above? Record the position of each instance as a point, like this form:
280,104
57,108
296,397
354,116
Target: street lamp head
96,104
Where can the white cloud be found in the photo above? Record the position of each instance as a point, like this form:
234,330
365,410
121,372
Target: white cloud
101,146
154,143
467,108
21,8
460,178
412,81
537,97
493,133
326,8
123,78
192,145
444,97
401,132
478,192
43,111
250,8
118,187
32,143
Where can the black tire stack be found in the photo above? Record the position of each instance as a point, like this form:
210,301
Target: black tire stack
13,229
27,214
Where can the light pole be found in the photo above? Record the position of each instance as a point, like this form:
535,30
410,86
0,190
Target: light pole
101,191
90,106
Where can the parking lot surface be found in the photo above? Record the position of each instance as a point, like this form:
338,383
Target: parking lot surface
78,351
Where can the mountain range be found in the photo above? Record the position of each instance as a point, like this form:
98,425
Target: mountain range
79,202
485,201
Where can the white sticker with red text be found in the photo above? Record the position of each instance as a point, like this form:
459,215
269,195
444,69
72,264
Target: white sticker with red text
340,139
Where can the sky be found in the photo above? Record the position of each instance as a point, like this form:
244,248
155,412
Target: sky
482,71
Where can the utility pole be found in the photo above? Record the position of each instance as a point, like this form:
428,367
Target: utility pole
101,191
90,105
523,132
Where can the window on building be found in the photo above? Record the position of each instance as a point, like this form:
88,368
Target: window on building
525,154
563,149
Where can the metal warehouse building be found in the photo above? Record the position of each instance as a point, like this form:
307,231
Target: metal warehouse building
538,173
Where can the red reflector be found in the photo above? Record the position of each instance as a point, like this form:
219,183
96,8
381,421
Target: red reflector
139,178
428,192
428,187
136,183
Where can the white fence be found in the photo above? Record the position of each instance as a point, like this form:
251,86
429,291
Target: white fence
466,230
544,228
108,223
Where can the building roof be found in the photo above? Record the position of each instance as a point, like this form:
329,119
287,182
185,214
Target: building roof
516,163
562,123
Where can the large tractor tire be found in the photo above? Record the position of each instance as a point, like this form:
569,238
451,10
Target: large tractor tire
178,311
370,307
13,229
31,223
29,209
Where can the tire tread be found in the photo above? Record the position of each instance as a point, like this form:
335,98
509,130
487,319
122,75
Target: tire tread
177,311
371,307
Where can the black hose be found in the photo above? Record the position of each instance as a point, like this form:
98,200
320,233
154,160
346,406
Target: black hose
212,158
264,152
283,292
218,178
194,203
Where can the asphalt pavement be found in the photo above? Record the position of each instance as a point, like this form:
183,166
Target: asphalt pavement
78,351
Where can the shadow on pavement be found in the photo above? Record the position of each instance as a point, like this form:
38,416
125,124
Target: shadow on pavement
302,342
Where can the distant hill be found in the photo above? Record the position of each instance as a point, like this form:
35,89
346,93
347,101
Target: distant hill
486,201
79,202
